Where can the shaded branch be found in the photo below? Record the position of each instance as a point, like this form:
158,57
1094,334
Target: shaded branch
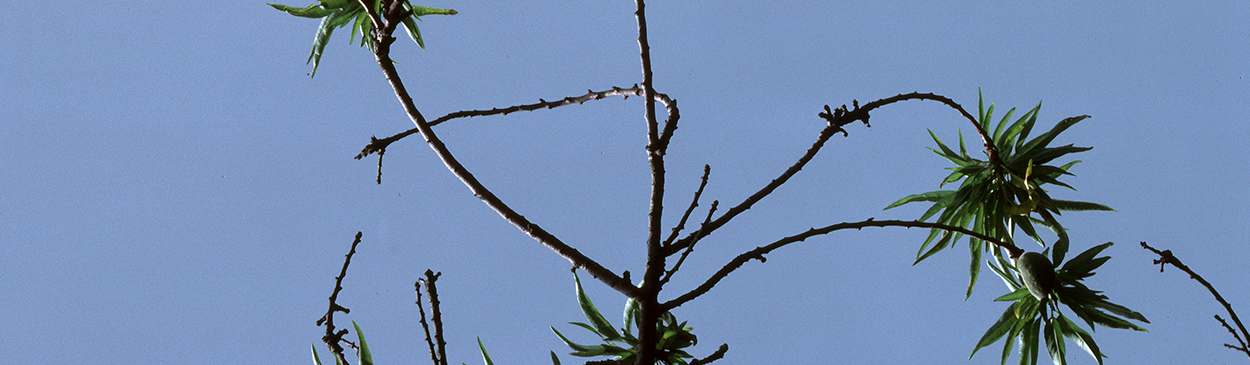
759,252
580,261
1166,258
379,145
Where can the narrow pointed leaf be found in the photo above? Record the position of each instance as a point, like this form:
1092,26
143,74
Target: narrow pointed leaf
485,356
602,326
1080,337
931,196
366,358
997,330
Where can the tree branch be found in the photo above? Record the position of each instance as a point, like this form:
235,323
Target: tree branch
759,252
836,119
332,338
379,145
580,261
436,317
1166,258
651,285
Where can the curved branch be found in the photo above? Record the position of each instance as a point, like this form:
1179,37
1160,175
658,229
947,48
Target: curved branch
379,145
759,252
1166,258
836,119
382,56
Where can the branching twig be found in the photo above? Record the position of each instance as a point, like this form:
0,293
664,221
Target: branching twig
649,291
438,345
694,203
378,145
1166,258
836,119
690,247
759,252
332,338
382,56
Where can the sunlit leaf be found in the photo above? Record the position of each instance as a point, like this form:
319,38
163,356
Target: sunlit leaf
485,355
366,358
1080,337
601,325
997,330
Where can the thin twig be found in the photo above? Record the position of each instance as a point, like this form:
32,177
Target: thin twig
382,56
1241,348
690,248
759,252
1166,258
436,314
694,203
377,145
425,326
720,353
332,338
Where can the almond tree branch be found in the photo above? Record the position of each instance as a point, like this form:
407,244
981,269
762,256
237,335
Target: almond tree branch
332,338
1166,258
436,317
694,203
580,261
759,252
379,145
648,300
836,120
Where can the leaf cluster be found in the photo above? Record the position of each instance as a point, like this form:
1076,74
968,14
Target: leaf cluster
674,337
340,13
1026,320
1002,192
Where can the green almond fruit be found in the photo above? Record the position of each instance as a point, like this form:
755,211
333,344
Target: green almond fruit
1038,274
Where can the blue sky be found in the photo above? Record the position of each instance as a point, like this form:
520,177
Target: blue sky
177,189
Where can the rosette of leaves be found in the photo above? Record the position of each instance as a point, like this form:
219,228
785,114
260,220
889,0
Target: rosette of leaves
340,13
622,345
1005,191
1027,320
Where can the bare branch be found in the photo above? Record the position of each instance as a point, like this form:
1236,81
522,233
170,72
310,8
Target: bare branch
694,203
651,285
836,120
580,261
1166,258
332,339
720,353
425,326
378,145
436,315
690,247
759,252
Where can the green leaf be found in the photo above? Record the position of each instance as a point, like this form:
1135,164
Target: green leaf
312,11
997,330
554,360
1054,343
1075,206
931,196
1080,337
1014,296
1045,138
1028,342
366,358
601,325
577,348
486,356
974,248
316,358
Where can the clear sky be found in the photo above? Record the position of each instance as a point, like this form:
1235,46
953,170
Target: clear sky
176,189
